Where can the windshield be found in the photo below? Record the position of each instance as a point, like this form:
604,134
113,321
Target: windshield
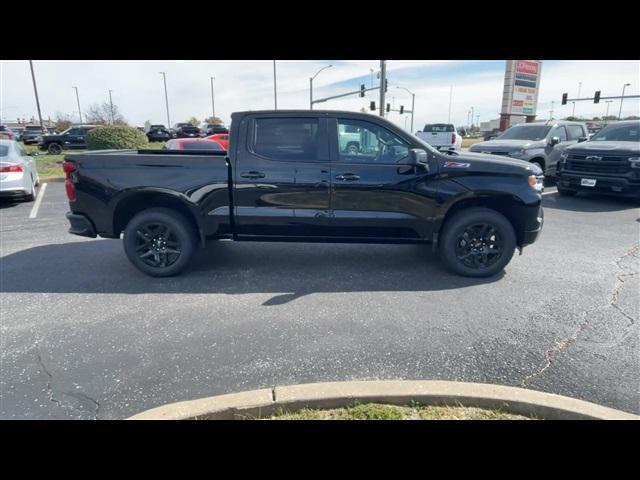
618,133
526,132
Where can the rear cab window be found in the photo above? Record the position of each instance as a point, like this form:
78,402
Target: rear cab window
439,128
281,138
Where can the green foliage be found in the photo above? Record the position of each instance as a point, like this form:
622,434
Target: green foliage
116,138
213,120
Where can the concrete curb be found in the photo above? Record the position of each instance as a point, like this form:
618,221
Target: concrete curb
255,403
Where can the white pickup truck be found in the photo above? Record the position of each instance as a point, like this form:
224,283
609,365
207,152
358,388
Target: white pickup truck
441,136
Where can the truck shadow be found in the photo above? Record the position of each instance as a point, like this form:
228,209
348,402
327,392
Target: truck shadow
589,203
286,270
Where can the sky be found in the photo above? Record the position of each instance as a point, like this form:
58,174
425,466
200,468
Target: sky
138,91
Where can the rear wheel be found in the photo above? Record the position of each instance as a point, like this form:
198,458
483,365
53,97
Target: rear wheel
477,242
54,148
30,197
159,242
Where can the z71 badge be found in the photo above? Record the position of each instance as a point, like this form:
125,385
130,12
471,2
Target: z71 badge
456,165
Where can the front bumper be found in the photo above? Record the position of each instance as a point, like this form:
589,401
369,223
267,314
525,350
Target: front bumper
81,225
604,184
531,236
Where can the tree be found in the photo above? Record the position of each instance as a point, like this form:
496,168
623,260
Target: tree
213,120
632,117
194,121
62,122
102,115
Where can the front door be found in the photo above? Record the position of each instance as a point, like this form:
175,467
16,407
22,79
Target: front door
375,195
282,177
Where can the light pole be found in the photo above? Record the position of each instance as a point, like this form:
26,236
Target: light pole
551,111
78,99
478,121
275,92
383,83
608,102
622,99
371,70
413,103
213,104
472,112
311,85
35,89
166,97
573,112
450,95
111,105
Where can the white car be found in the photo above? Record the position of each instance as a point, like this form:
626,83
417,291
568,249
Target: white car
18,173
441,136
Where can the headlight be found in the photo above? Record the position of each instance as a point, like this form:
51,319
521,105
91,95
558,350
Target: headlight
536,182
517,153
635,162
39,138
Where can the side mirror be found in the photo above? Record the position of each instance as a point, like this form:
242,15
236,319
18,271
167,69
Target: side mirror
582,139
554,141
417,158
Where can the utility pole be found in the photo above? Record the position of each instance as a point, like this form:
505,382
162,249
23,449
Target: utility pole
371,69
166,97
78,99
413,103
472,112
551,111
573,112
35,89
622,99
213,104
111,105
608,102
450,94
478,121
275,92
383,76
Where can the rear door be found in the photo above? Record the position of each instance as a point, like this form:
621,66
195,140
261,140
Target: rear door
281,182
373,194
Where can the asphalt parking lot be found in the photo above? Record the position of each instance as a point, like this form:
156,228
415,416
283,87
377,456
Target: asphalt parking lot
85,335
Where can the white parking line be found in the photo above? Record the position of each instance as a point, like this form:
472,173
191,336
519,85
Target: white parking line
36,205
550,192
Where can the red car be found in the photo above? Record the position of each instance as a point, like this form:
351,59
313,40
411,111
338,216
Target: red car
221,138
193,144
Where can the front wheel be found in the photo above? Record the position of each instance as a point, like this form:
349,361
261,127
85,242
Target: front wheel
159,242
477,242
54,148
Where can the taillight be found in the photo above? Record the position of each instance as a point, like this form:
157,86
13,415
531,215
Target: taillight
453,138
11,168
69,168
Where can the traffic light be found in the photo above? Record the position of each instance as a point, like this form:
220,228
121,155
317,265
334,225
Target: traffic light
388,107
386,85
372,106
401,109
362,90
596,97
564,98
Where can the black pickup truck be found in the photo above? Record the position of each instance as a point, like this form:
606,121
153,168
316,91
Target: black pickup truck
609,163
285,178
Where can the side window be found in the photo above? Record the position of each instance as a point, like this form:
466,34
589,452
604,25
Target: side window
560,133
286,138
73,131
575,132
365,142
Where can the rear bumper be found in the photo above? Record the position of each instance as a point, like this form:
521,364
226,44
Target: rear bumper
81,225
604,184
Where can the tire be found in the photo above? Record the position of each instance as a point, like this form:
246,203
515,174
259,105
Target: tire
563,192
30,197
169,230
490,229
54,148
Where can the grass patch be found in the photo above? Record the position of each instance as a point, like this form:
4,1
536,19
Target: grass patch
467,142
50,166
376,411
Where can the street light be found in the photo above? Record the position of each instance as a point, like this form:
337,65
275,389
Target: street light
166,97
111,105
35,89
413,103
311,85
78,99
621,100
608,102
573,112
213,105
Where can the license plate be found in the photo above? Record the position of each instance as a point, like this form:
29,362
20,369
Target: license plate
588,182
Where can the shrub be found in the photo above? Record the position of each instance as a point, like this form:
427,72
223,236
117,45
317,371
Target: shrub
115,137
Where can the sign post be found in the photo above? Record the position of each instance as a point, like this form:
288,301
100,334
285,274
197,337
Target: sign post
520,94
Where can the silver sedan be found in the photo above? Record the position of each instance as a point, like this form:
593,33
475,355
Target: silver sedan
18,173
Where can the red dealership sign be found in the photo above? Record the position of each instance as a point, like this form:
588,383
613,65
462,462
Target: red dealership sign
527,66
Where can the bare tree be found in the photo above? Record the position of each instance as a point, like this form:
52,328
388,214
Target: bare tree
103,115
62,122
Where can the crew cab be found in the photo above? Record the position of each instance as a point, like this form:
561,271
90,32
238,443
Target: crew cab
285,178
441,136
608,163
73,138
541,143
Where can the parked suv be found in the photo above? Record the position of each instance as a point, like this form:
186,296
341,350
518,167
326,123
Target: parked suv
186,130
72,138
31,134
608,163
541,143
158,133
214,128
